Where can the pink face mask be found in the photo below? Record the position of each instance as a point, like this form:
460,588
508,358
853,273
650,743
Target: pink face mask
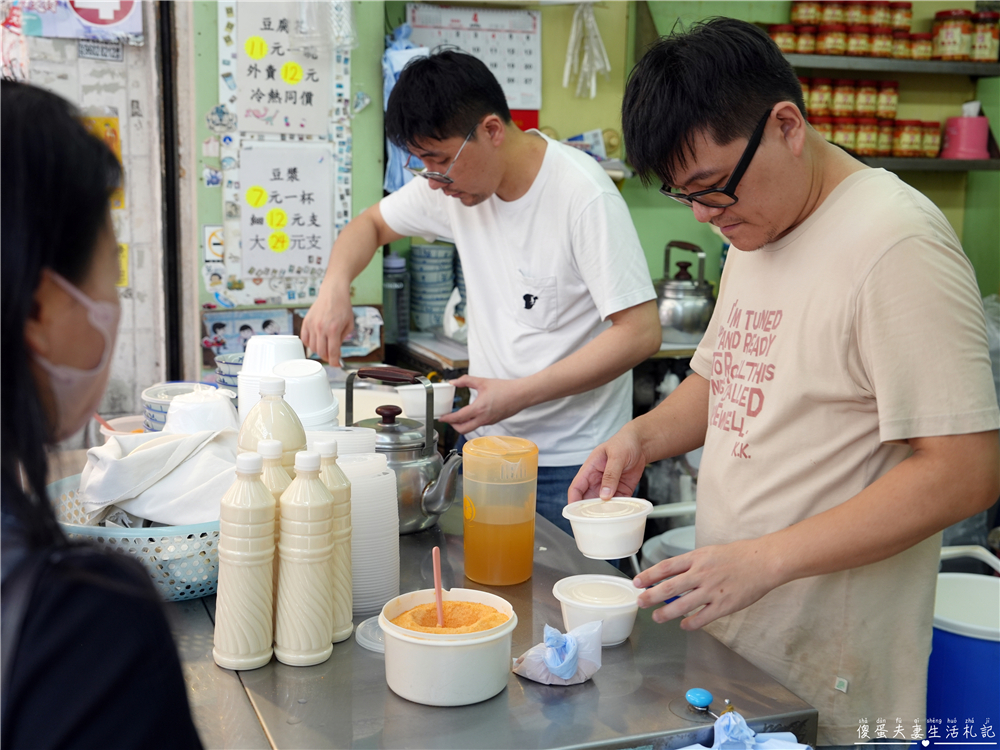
78,392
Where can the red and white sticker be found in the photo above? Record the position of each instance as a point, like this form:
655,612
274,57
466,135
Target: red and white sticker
102,12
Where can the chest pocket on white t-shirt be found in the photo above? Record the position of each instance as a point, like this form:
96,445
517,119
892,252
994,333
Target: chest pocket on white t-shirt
537,303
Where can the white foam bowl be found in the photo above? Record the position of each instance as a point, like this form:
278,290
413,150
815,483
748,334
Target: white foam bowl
587,598
608,529
446,669
307,389
414,399
264,352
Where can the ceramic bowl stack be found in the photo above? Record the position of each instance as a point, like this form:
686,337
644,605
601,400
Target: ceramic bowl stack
460,283
350,440
156,401
308,392
262,355
227,368
374,531
432,277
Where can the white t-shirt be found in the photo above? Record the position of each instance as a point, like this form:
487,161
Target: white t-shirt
542,272
861,328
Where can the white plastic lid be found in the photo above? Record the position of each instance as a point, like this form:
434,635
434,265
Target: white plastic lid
272,386
326,448
394,263
307,461
249,463
270,448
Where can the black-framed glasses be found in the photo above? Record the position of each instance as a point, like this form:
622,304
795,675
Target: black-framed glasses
725,196
441,177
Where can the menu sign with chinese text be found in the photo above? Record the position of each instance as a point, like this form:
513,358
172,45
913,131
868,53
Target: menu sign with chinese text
279,90
286,224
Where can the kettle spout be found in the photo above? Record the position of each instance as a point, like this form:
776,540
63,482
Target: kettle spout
439,494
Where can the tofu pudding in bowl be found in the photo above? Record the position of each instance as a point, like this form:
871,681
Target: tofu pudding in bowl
611,599
608,529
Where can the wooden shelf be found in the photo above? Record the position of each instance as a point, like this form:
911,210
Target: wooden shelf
892,65
931,165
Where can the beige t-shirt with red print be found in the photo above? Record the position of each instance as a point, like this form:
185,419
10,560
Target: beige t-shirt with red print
860,329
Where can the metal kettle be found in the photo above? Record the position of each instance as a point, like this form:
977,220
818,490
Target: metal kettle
685,304
425,482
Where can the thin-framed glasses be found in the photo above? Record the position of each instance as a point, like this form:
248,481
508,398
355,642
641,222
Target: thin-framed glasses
441,177
726,195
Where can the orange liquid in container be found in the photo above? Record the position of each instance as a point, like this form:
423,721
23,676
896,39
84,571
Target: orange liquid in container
499,554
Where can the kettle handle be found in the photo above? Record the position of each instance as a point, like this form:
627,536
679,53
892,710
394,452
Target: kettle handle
392,375
389,374
690,247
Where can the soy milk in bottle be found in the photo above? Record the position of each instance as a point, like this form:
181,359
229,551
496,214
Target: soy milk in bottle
343,588
304,622
272,418
276,479
244,605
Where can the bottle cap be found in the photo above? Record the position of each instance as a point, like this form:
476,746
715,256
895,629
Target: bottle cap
326,448
249,463
394,263
272,386
307,461
270,448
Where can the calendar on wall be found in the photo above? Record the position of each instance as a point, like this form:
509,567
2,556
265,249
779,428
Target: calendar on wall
508,41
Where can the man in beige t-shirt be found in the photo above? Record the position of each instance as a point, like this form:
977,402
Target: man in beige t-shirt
843,391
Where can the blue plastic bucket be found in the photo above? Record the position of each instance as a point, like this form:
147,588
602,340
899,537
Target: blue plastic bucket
963,677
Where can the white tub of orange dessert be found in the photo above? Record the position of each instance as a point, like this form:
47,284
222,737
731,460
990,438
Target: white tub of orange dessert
466,661
608,529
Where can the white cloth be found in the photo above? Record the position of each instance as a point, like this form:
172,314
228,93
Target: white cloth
862,328
543,273
176,481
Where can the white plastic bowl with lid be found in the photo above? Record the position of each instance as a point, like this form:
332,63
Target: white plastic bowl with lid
608,529
611,599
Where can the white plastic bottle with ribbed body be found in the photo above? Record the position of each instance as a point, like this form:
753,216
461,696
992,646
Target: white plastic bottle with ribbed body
272,418
244,604
340,487
304,622
276,479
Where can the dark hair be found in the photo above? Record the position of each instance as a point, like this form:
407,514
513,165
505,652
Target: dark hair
719,77
440,97
218,326
267,323
246,327
56,183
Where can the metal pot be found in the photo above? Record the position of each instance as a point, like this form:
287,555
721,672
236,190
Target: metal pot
685,304
425,482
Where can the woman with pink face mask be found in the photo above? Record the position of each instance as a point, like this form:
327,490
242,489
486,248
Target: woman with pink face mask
88,659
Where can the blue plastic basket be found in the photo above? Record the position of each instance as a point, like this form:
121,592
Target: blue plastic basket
182,561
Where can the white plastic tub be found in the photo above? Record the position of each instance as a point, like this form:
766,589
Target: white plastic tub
608,529
446,669
587,598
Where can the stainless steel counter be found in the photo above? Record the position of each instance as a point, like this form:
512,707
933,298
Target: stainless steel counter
635,700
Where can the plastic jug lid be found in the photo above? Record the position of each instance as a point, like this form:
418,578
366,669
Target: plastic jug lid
493,446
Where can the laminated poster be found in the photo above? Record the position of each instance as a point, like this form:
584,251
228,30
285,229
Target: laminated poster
103,20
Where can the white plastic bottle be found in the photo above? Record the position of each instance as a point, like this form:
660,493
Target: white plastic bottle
304,622
276,479
340,487
244,605
272,418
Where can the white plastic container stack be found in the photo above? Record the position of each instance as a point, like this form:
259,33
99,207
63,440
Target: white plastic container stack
272,418
243,612
350,440
308,391
304,621
340,487
262,355
374,531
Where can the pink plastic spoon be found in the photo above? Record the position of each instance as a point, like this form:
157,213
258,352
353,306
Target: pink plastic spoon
436,557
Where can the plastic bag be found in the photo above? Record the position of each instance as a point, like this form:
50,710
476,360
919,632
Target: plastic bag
563,659
732,733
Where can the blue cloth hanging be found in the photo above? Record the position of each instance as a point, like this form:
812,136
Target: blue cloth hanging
399,50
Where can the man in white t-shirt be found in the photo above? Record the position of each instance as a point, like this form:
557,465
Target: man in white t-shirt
560,303
843,391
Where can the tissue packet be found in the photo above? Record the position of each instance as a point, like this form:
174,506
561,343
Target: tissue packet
563,659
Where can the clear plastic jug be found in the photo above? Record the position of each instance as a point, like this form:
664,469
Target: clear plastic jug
500,476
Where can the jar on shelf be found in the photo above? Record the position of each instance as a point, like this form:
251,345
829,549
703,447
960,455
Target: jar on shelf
844,97
921,46
823,126
880,13
805,13
902,15
985,36
856,12
831,39
952,32
930,139
901,44
820,97
783,34
888,100
908,138
859,41
866,99
866,142
885,132
882,40
831,13
805,40
845,132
